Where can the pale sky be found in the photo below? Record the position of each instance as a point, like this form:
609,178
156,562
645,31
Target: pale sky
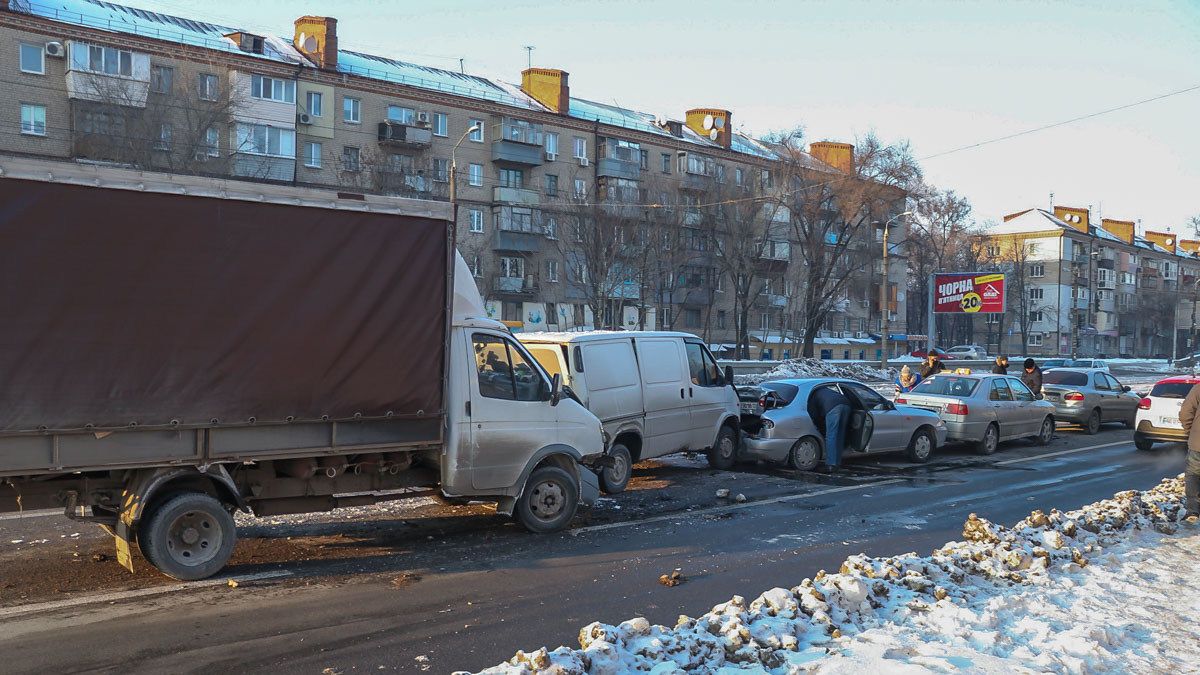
940,74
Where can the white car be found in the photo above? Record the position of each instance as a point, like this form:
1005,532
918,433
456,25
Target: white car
1158,413
968,352
1089,364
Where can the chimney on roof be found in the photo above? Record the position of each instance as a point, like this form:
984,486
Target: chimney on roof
1163,239
714,124
316,38
1076,217
1122,229
838,155
548,86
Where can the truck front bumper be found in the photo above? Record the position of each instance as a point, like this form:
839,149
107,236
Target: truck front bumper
589,486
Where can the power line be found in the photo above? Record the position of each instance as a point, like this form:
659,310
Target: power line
1062,123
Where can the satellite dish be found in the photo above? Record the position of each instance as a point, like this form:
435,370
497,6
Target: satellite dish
708,122
660,120
308,43
720,122
713,134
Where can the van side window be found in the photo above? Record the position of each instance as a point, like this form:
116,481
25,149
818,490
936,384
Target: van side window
504,372
696,364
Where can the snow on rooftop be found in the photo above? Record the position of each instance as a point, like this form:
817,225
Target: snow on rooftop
428,77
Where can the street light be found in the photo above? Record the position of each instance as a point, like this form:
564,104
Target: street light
454,167
883,293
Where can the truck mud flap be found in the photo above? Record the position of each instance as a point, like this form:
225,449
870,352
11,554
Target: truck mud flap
589,486
123,531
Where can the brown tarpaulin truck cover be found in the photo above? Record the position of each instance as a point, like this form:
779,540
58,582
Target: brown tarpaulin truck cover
122,307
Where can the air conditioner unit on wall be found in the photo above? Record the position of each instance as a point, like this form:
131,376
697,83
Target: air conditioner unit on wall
303,118
551,156
56,50
422,117
583,161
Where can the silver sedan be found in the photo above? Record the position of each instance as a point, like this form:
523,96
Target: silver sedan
1090,397
984,409
786,432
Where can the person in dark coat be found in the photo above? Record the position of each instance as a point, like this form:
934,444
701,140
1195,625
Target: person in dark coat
932,366
1191,470
1001,367
1032,377
830,412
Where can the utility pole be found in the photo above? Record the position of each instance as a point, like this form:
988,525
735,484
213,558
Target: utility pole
529,56
930,324
884,307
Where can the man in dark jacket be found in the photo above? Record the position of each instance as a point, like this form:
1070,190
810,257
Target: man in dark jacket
1001,367
1032,377
830,412
1191,471
932,366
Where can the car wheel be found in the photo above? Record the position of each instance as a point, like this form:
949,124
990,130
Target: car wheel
1142,443
1046,433
549,500
1092,426
805,454
990,441
1131,423
921,446
723,453
615,477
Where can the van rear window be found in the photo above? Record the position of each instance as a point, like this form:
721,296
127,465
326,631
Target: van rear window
1171,390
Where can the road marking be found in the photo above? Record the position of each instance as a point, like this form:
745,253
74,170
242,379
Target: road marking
140,593
1064,452
732,507
37,513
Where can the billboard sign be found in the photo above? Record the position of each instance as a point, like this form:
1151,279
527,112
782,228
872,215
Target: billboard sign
969,293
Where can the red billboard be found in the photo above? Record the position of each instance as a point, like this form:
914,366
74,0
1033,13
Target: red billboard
968,293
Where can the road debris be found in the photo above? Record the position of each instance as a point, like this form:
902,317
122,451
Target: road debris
673,579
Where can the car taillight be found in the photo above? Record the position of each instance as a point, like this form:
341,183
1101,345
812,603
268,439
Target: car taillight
1073,396
901,400
762,402
957,409
1144,404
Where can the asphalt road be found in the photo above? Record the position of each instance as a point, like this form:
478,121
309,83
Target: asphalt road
436,593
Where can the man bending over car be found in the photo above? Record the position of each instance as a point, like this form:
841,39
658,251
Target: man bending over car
829,410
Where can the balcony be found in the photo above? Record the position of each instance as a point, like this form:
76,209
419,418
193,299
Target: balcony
613,167
520,286
401,135
518,142
772,300
778,251
1107,264
515,195
696,182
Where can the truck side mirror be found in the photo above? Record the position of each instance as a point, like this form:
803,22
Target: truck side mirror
729,375
555,389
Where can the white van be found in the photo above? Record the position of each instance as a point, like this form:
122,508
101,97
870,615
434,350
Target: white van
655,393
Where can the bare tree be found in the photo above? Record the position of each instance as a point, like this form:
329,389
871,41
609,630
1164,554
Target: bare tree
941,238
1011,255
1193,224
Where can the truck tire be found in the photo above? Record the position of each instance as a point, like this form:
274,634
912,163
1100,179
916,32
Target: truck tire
613,479
188,536
548,501
723,454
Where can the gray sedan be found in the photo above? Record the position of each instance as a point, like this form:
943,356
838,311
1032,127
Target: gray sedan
786,433
984,409
1089,397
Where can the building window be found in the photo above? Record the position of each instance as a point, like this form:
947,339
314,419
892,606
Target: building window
102,60
768,180
397,113
315,101
580,148
33,119
1035,339
721,319
644,159
512,267
161,79
476,266
441,170
312,155
33,59
1036,293
1035,316
512,178
666,162
272,89
580,188
993,251
260,139
476,220
212,142
441,124
691,318
1037,270
351,110
350,159
207,86
551,227
718,281
166,134
551,185
475,175
552,271
551,145
739,176
477,130
764,321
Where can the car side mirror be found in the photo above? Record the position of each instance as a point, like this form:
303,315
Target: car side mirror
555,389
729,375
1126,388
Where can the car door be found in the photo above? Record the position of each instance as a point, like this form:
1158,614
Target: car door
1105,396
1124,403
707,393
1001,403
889,429
1027,413
663,369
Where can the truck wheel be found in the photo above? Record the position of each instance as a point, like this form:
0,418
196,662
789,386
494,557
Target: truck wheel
921,446
549,500
990,441
723,453
1092,426
805,454
613,479
189,536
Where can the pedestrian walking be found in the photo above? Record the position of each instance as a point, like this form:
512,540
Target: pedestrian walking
1033,377
829,410
1191,470
1001,367
906,380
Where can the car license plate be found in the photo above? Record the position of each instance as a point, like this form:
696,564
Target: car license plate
1165,421
750,408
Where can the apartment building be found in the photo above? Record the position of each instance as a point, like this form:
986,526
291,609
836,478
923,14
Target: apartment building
544,180
1082,287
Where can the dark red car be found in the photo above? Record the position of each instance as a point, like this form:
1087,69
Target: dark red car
940,353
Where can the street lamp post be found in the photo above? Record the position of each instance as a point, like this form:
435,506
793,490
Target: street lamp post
454,169
883,294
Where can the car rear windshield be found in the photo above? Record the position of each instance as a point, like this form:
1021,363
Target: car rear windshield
947,385
1171,390
1079,363
1066,377
787,392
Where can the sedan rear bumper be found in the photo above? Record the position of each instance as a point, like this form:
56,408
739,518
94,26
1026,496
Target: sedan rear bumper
1071,413
773,449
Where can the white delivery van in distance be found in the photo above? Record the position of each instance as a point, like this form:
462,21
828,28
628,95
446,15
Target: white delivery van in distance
655,393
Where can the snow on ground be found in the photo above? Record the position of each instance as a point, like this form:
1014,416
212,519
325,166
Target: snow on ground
794,368
1110,587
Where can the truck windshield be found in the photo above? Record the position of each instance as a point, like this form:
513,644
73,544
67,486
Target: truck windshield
947,385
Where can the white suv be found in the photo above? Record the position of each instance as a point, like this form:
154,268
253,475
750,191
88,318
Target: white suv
968,352
1158,413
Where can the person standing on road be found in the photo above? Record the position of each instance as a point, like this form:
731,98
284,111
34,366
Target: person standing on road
1001,367
932,366
1191,471
906,380
829,410
1032,377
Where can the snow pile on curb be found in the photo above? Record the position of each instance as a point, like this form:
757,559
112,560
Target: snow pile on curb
796,368
1093,590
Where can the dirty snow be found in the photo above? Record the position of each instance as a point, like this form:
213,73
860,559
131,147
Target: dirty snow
797,368
1107,588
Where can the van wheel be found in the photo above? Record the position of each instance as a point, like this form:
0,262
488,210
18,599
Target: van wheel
921,446
805,454
1142,443
549,500
189,536
1092,426
1046,433
613,479
990,441
723,453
